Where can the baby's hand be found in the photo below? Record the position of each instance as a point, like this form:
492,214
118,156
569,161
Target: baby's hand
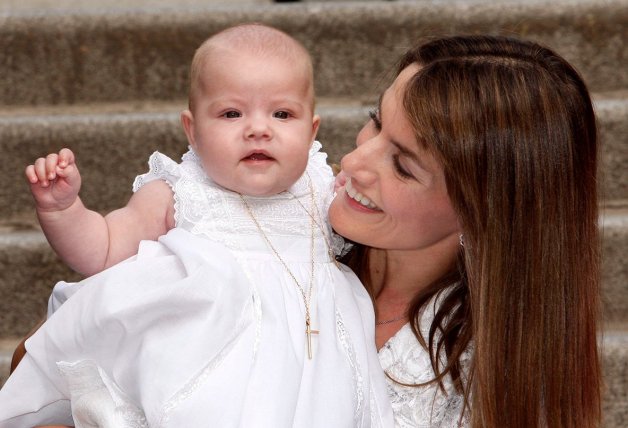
55,181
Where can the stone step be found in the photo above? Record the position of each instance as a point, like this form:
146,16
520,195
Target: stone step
113,142
108,79
614,343
614,228
615,369
29,269
142,51
64,6
7,346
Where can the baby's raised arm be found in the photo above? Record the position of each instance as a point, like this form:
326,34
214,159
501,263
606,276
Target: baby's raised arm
84,239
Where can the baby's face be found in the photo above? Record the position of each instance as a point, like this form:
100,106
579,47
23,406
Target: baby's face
253,123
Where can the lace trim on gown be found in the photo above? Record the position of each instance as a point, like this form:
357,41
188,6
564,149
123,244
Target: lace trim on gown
96,399
357,378
205,208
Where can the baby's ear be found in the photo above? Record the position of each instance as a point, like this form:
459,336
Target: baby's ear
316,122
187,120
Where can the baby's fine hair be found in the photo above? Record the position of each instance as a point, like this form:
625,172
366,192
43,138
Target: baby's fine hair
256,39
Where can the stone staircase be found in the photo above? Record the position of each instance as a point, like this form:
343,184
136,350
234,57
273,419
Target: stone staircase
109,81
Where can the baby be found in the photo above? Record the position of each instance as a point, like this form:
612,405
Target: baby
238,315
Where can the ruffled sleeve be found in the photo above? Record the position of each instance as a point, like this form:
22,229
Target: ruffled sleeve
322,174
160,167
320,171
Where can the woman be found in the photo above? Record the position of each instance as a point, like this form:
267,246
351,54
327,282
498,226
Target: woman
473,190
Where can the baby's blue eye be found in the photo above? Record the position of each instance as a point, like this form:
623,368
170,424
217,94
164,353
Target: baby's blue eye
281,115
232,114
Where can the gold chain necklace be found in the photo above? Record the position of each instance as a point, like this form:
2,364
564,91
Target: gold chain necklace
399,318
330,250
306,296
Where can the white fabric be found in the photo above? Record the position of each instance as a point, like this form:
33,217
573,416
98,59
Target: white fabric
206,328
405,360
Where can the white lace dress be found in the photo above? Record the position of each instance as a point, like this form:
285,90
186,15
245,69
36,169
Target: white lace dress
406,361
205,328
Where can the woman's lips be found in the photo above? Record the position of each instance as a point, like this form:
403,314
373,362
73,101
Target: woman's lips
358,197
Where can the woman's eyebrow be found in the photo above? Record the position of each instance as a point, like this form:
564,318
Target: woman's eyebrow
405,152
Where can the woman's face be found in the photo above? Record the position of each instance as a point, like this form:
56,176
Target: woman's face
392,193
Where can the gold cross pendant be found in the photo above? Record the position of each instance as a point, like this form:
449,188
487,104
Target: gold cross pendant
309,332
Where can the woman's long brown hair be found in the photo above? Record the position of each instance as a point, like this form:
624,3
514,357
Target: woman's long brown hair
513,126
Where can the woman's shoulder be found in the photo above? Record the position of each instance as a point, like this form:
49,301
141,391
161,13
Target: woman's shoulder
403,355
407,362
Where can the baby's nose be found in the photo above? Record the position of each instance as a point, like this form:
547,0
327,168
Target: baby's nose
258,127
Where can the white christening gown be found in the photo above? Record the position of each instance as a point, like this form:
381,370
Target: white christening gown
206,328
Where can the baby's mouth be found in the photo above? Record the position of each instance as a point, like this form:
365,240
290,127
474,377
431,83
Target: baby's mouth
258,156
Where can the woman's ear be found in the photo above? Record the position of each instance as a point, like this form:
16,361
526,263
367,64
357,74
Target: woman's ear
187,120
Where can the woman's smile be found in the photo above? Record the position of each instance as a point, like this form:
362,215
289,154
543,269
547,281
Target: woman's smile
354,195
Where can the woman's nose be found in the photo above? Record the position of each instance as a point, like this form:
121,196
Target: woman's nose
361,164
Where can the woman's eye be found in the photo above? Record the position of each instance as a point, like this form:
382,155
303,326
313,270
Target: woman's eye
374,115
404,173
231,114
281,114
